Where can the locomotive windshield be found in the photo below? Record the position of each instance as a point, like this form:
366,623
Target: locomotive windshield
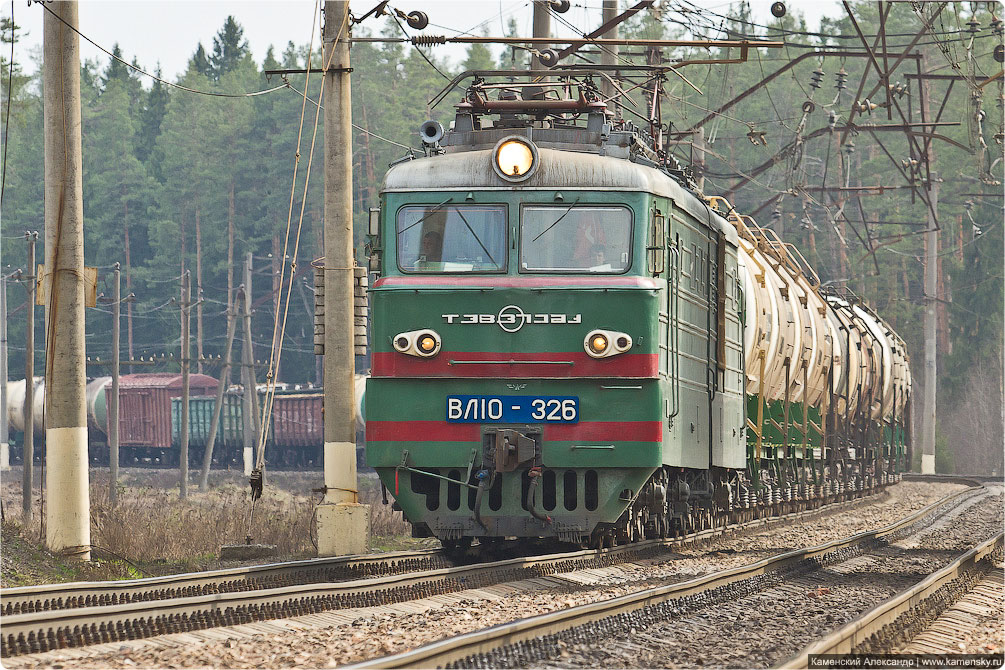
452,238
575,239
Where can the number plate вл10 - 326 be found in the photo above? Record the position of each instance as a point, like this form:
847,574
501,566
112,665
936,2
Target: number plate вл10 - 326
512,409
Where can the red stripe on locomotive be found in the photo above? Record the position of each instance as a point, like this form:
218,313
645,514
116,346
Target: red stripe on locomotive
468,364
441,431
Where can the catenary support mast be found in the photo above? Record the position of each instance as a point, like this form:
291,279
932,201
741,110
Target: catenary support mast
67,513
342,523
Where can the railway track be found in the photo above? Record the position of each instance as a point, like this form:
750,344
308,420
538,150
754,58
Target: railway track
625,631
71,627
43,618
904,623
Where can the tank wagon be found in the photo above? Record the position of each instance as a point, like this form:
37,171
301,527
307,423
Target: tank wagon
570,341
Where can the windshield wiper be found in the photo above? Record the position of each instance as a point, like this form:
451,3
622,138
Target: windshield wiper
434,210
556,221
477,239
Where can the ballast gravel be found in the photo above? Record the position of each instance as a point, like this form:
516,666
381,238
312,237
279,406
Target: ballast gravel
769,626
380,631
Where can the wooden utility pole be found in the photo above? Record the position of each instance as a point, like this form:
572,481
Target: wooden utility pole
186,334
67,512
214,424
113,398
28,448
254,421
4,424
342,523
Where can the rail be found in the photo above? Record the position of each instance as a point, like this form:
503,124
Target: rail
847,638
451,650
27,599
171,604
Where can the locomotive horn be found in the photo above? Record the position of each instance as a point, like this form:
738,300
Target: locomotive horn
431,132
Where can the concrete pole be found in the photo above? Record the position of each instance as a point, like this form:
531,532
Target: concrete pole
249,352
342,523
113,397
214,424
67,514
186,336
931,320
931,331
542,28
4,424
609,56
28,448
247,375
699,158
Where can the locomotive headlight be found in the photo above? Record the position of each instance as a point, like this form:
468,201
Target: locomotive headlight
604,343
421,343
515,158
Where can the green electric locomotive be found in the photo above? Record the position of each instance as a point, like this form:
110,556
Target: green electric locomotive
558,336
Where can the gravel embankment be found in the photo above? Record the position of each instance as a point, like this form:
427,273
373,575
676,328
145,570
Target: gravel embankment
377,632
771,625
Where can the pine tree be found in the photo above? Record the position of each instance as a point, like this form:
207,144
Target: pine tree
117,69
201,62
229,49
479,57
150,124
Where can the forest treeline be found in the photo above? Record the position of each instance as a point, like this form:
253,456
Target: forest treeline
175,180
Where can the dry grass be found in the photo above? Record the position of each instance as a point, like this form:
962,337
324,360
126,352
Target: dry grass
153,528
384,522
153,524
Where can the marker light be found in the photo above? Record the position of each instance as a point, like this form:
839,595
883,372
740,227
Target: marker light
515,158
427,344
604,343
421,343
598,344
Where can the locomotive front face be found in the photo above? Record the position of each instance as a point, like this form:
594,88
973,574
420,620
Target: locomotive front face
515,381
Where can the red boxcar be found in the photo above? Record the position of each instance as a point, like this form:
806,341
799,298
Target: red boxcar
145,406
297,420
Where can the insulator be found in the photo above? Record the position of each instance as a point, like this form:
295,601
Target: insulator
816,78
849,148
417,20
428,40
775,215
865,106
996,25
974,26
842,79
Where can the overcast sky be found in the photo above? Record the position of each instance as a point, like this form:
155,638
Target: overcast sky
167,32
